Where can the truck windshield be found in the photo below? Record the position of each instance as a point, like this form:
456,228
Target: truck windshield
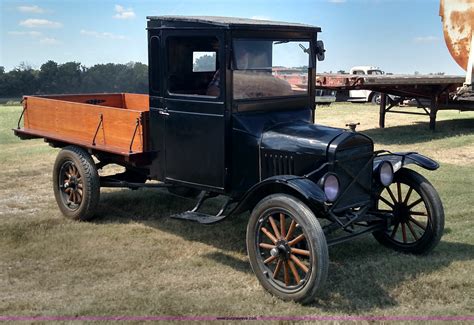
270,68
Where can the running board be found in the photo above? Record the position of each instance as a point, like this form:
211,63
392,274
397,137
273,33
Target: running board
203,218
198,217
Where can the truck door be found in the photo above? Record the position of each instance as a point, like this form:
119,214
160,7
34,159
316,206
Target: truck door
194,131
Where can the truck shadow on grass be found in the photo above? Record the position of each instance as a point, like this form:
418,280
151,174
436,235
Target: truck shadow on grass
363,275
420,133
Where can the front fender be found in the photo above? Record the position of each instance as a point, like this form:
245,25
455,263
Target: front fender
300,187
401,159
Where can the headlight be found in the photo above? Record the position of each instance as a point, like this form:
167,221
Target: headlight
386,173
330,184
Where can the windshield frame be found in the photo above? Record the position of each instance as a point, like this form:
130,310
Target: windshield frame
233,65
307,72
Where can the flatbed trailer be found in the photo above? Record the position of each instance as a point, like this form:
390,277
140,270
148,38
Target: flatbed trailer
436,88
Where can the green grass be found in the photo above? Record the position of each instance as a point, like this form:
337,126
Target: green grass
133,260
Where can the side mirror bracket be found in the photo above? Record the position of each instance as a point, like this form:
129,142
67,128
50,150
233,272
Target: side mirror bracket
320,50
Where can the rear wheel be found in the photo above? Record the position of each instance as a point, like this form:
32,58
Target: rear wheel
418,215
76,183
287,248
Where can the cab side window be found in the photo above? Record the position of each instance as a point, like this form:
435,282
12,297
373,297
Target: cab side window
193,66
154,66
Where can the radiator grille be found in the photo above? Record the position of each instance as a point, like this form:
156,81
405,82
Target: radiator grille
350,163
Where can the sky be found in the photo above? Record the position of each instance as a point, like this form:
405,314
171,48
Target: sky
399,36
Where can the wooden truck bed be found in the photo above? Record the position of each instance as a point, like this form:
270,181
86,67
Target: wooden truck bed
114,123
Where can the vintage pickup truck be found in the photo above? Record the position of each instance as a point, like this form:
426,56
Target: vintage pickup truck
218,121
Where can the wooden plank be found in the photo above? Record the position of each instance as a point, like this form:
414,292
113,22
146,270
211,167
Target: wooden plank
137,102
349,81
111,100
412,80
32,134
77,123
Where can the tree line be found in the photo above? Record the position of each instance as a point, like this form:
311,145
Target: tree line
73,77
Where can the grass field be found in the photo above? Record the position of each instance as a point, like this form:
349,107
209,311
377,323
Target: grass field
133,260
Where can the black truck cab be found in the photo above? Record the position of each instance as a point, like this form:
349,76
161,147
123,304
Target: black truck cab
215,89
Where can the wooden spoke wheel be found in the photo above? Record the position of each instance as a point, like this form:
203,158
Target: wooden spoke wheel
287,248
417,214
76,183
70,182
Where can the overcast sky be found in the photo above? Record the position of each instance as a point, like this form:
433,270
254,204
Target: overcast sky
399,36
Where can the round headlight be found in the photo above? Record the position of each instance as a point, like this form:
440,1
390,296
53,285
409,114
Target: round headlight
331,187
386,173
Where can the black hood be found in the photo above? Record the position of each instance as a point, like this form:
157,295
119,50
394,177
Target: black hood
301,137
299,148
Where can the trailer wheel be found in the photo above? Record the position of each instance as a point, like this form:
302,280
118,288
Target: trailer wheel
287,248
76,183
418,214
376,98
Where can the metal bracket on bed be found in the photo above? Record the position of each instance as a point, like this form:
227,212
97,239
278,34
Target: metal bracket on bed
21,116
101,119
134,133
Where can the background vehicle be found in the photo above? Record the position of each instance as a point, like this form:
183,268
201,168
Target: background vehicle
325,96
363,95
232,127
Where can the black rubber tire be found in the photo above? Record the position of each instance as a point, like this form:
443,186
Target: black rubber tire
435,220
184,191
315,239
376,98
90,183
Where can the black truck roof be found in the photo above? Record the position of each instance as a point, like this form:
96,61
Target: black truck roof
155,22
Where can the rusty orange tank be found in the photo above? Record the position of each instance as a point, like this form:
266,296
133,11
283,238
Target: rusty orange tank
458,27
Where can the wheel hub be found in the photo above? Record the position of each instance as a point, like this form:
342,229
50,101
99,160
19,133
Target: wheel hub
282,250
401,213
71,183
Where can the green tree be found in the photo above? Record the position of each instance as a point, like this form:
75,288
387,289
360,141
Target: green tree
69,77
48,78
3,84
21,81
134,78
205,63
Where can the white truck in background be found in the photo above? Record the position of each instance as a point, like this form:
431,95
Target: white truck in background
363,96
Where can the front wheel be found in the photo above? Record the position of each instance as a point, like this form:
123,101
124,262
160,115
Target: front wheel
287,248
417,214
76,183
